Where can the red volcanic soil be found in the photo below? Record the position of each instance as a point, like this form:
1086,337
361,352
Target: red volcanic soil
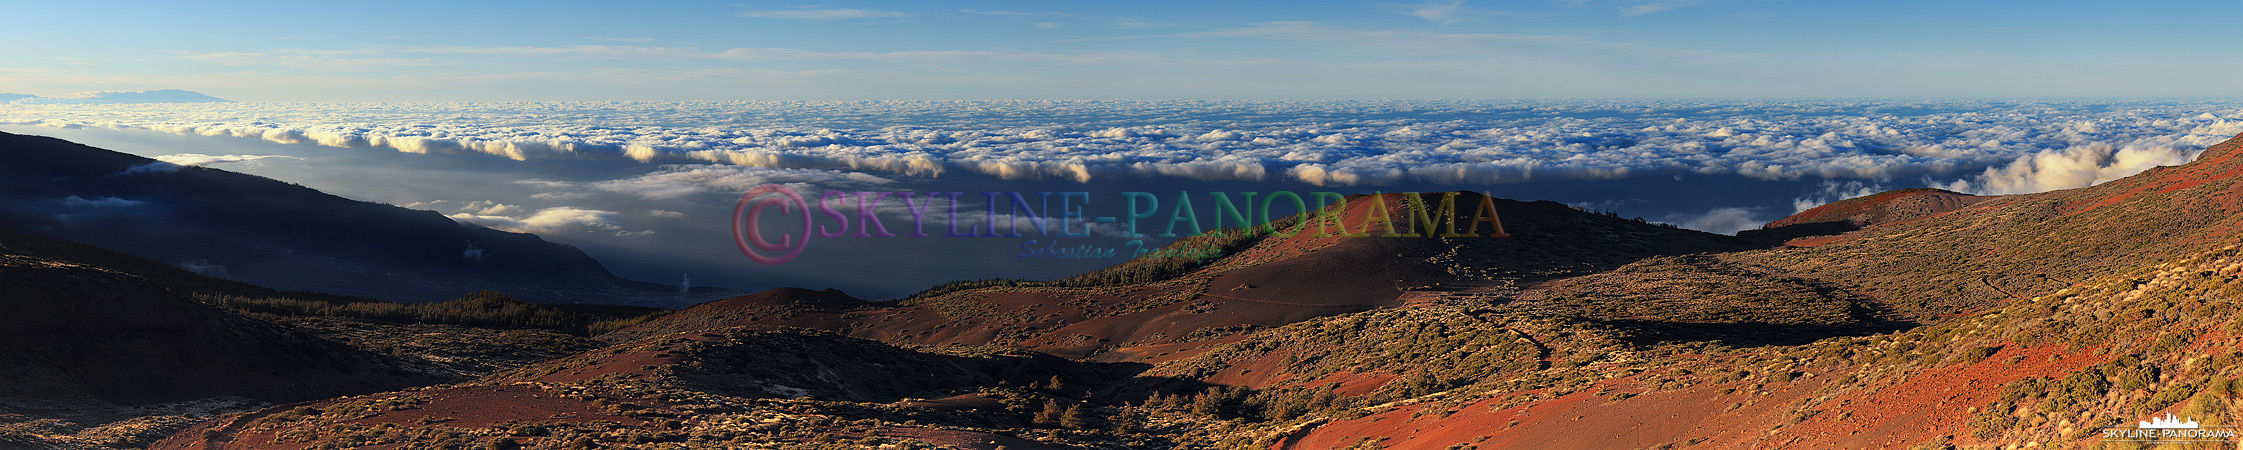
1931,404
961,439
1589,418
744,362
1270,370
1164,353
967,402
2217,164
1278,280
481,406
1583,419
771,309
1814,241
609,362
655,386
1884,207
1923,407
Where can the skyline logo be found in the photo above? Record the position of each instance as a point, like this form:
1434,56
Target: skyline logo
1414,217
2169,429
2167,422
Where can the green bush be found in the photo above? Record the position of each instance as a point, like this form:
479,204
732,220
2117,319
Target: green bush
1973,356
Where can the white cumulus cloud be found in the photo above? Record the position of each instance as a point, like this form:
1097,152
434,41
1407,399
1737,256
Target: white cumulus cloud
198,159
1832,190
682,180
100,202
1994,146
546,221
1723,220
2073,167
150,167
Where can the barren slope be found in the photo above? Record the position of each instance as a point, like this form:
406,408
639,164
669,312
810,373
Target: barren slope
1274,280
2018,246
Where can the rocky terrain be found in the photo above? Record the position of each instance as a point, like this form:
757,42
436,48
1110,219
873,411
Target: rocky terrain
1908,319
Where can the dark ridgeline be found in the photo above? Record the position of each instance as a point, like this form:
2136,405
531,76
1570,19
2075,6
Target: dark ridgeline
285,236
77,340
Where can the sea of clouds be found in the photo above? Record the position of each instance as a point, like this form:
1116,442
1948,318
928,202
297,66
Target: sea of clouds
1976,146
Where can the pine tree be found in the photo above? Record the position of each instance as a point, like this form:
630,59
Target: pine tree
1207,403
1324,399
1050,415
1074,418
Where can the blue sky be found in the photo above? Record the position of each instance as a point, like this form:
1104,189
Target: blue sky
547,50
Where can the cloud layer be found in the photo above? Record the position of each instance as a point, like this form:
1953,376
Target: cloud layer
2073,167
1992,146
198,159
545,221
1723,220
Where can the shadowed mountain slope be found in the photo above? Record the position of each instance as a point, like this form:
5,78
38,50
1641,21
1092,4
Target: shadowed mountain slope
81,338
285,236
720,388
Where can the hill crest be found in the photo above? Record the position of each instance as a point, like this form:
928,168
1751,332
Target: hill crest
285,236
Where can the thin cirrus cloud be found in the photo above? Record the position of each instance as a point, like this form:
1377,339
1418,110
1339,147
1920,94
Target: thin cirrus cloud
1442,12
1655,7
816,13
1448,45
1979,146
1126,23
660,53
1455,63
318,60
1016,13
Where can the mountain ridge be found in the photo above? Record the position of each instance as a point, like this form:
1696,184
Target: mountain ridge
117,97
121,340
1276,278
286,236
1995,249
2009,321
